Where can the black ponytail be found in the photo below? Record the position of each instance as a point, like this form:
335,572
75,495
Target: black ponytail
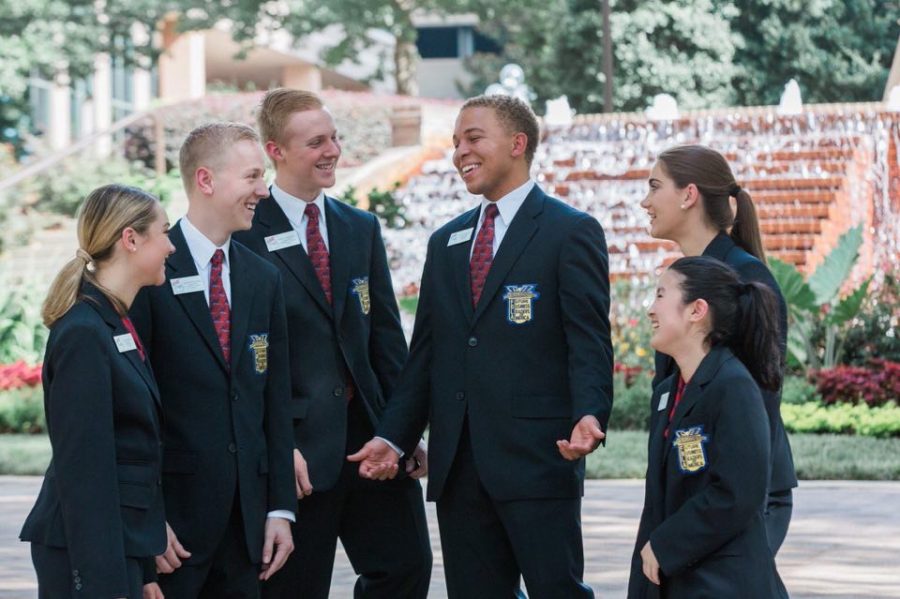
744,316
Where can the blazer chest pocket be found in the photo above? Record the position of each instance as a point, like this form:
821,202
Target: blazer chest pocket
299,407
180,462
541,406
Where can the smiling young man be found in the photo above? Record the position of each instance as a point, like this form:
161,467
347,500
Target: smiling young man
217,337
510,364
346,352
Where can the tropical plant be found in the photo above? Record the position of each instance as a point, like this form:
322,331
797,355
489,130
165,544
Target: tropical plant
818,302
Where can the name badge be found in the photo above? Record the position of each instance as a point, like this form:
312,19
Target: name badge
663,402
461,237
125,343
282,240
187,285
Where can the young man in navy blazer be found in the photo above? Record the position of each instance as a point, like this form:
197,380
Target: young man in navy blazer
346,352
217,335
510,364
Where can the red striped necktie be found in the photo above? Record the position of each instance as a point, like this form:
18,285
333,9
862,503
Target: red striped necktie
218,305
483,253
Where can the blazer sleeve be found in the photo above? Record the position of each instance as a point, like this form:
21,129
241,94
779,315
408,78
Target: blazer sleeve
584,302
387,345
406,414
737,476
278,427
82,434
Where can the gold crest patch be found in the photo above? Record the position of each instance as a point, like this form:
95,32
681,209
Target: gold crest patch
520,302
259,345
360,288
691,451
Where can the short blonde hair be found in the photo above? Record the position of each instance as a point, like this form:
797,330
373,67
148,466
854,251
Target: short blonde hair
515,115
278,106
205,146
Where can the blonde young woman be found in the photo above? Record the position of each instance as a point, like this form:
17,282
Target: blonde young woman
694,200
98,520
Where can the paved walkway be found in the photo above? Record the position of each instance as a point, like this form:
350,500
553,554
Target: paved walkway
844,541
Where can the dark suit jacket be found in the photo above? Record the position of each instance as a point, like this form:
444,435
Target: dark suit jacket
227,430
100,498
358,340
706,526
524,366
751,269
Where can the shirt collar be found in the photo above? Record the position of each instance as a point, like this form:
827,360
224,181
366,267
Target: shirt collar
509,204
201,248
293,206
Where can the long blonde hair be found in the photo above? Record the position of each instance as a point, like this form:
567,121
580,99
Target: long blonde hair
106,212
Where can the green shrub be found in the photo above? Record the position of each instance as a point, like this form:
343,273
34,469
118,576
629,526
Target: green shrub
22,331
631,403
860,419
798,390
22,411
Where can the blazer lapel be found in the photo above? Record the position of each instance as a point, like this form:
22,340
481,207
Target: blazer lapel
459,255
181,264
273,220
340,238
243,288
523,227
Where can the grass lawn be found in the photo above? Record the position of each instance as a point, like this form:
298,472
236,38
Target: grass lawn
817,457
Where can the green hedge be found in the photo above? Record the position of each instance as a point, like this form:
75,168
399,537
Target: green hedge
813,417
22,410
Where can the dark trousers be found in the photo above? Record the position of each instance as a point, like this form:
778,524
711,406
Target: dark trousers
57,580
779,508
488,544
231,574
382,526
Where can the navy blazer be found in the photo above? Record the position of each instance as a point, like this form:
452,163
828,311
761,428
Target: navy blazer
100,499
227,428
705,490
723,248
526,364
358,340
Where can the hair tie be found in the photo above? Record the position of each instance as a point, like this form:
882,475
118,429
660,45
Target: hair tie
735,190
86,258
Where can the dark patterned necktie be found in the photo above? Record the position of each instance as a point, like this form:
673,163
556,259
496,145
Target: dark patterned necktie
218,305
129,326
315,247
483,253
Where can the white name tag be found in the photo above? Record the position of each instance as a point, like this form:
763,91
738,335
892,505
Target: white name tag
282,240
125,343
187,285
460,237
663,402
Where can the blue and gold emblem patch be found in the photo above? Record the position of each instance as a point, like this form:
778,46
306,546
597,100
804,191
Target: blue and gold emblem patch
360,288
691,450
520,302
259,346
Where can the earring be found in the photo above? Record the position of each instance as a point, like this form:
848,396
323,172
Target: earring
683,207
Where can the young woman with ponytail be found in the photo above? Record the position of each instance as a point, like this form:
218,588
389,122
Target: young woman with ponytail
99,520
695,201
702,530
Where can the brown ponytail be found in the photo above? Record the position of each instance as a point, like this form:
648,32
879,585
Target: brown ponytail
710,172
106,212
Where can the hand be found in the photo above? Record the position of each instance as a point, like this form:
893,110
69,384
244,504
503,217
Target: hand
170,561
377,460
586,436
152,591
650,566
301,475
417,466
278,537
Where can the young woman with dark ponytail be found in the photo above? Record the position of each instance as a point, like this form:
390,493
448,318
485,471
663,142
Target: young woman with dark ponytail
702,530
695,201
99,520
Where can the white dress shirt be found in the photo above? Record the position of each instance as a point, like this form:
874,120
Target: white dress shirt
295,210
202,250
507,207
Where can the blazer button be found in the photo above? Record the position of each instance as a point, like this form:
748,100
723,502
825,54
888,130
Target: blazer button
473,341
460,395
232,448
78,586
74,572
78,579
338,391
234,397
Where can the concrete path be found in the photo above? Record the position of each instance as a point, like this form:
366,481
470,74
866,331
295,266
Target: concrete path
844,541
